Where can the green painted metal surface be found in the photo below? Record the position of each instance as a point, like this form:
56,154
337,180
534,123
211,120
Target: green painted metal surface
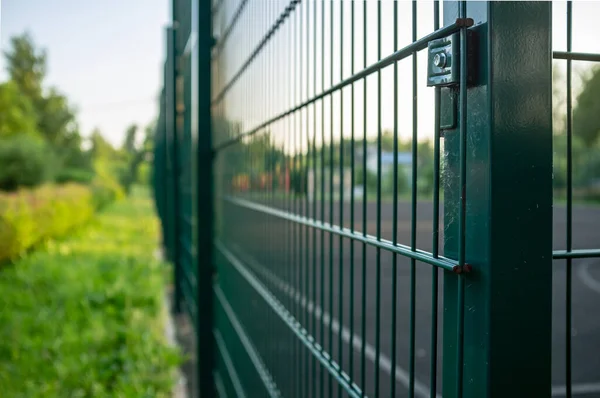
495,203
307,269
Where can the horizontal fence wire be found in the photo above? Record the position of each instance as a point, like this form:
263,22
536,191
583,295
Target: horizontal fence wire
581,253
428,258
573,56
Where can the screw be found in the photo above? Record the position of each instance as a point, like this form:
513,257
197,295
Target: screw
439,60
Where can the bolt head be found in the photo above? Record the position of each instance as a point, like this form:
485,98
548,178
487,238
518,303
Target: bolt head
439,60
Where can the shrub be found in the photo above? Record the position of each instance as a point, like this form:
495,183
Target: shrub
80,176
106,185
105,191
25,161
143,174
83,316
29,216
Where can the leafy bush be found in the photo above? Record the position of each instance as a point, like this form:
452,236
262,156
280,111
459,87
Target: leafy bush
82,317
105,185
29,216
105,191
143,174
24,162
80,176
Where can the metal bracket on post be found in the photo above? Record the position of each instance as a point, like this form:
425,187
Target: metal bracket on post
443,70
443,55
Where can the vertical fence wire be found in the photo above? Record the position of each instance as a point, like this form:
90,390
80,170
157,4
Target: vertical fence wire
413,216
363,328
352,198
463,201
378,216
341,207
569,236
323,195
315,204
435,225
395,209
331,195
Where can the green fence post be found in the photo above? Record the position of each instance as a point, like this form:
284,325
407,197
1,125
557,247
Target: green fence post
201,80
173,147
507,146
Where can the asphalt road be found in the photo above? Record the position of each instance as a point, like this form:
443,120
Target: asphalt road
283,258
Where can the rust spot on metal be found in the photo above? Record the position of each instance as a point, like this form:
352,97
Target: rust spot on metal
465,22
457,269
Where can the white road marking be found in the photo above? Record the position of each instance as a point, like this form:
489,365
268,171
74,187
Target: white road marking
581,388
583,272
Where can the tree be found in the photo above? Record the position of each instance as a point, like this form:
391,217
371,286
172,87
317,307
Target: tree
28,108
56,119
101,148
586,114
558,99
17,115
130,136
134,154
26,66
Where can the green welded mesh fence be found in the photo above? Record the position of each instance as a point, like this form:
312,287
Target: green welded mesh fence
339,228
576,177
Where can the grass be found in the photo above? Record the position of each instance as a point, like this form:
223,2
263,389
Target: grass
83,316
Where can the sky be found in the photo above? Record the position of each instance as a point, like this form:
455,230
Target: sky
105,55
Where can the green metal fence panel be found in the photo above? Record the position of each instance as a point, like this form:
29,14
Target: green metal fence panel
322,247
569,253
286,254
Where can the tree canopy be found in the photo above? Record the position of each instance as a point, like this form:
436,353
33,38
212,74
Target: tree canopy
26,66
31,108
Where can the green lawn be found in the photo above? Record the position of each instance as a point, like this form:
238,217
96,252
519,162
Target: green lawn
83,316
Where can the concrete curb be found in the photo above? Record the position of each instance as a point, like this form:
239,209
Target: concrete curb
180,390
